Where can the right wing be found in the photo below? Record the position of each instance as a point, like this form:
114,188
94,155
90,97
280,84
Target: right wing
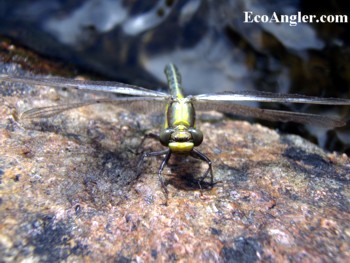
137,104
104,86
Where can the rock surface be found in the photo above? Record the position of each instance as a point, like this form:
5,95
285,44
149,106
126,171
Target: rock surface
70,190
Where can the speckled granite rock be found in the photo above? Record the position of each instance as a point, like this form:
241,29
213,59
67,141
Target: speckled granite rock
70,191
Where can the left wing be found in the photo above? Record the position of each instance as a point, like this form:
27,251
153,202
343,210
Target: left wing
271,115
261,96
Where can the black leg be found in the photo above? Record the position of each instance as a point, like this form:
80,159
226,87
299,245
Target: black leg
148,136
197,154
144,155
167,153
160,177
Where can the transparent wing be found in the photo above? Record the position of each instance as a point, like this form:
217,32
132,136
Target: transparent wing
135,104
105,86
272,115
259,96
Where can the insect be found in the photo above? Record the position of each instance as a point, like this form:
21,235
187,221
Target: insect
179,133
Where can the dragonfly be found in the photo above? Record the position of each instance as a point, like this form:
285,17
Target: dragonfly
179,133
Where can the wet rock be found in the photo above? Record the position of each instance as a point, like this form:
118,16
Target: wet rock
71,190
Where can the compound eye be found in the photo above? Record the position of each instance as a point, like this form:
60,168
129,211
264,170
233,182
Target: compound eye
164,136
197,136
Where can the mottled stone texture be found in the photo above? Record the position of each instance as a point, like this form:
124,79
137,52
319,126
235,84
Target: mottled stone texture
70,191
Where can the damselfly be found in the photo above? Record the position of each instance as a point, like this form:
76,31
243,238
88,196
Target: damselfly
179,134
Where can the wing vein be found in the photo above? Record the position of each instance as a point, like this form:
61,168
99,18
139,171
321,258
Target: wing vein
136,104
271,115
105,86
259,96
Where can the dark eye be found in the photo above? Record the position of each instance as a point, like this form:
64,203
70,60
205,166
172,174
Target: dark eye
197,136
164,136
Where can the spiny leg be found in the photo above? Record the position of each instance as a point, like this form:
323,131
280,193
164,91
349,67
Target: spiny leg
160,177
167,153
147,136
197,154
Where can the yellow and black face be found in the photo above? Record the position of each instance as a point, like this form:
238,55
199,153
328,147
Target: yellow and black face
181,139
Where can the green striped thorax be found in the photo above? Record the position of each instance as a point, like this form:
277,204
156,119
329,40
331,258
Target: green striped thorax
179,133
